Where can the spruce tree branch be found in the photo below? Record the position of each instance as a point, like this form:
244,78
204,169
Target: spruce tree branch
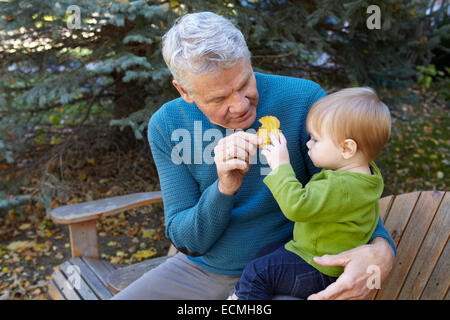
287,54
59,104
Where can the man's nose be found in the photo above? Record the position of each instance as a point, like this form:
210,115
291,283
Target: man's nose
239,103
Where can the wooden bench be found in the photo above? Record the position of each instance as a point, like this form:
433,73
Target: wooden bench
418,223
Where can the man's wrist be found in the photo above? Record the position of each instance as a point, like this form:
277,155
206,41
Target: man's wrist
224,190
383,246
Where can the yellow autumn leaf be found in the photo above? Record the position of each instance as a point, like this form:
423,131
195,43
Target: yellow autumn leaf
149,233
82,176
144,254
115,260
25,226
121,253
74,200
270,124
16,245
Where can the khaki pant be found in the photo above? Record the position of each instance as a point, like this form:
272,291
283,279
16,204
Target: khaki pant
178,278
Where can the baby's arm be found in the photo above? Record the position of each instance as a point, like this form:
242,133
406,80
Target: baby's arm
318,201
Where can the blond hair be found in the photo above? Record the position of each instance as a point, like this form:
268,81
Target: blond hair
353,113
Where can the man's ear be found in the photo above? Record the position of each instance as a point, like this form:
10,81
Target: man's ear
183,93
349,148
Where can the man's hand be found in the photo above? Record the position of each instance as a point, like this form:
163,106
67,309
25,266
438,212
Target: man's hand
232,156
276,152
358,264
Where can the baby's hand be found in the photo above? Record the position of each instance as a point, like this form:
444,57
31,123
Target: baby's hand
276,153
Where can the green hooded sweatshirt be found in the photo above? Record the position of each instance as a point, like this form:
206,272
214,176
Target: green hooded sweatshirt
334,212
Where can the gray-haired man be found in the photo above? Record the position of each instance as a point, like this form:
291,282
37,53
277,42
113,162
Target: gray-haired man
220,214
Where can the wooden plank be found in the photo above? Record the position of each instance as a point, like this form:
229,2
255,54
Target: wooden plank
395,211
399,214
96,209
123,277
100,269
429,253
101,291
172,250
410,242
73,274
385,204
439,282
83,239
108,265
54,291
64,286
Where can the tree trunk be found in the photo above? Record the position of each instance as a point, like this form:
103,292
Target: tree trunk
129,98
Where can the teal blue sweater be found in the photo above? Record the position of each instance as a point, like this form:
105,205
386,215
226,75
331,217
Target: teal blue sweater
225,232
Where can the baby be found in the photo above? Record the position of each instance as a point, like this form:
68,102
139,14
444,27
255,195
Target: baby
337,210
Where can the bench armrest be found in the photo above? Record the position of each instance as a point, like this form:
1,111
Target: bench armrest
93,210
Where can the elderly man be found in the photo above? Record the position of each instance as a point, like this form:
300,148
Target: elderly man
219,213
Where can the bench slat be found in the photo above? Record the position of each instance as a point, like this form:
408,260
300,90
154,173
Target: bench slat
400,214
92,210
439,282
91,278
63,286
123,277
385,206
410,243
54,291
78,282
429,253
101,268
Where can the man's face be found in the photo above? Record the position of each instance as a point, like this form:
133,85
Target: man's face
228,98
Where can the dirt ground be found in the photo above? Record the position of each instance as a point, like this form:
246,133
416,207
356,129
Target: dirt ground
31,245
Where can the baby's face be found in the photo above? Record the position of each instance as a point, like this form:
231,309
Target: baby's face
323,152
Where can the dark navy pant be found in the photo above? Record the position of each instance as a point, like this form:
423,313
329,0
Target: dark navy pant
280,272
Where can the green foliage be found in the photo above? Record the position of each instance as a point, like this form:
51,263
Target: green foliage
426,74
49,70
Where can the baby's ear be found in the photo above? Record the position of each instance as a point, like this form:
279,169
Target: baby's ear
349,148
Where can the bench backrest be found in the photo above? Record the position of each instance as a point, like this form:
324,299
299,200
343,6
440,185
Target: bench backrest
419,225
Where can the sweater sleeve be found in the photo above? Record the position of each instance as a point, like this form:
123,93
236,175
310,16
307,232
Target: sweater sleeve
318,201
380,231
194,220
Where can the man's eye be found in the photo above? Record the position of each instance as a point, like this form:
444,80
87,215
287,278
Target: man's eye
218,100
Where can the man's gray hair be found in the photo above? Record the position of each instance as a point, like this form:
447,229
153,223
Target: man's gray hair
202,43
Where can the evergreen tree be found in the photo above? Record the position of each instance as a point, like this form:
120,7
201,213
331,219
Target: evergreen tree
68,64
